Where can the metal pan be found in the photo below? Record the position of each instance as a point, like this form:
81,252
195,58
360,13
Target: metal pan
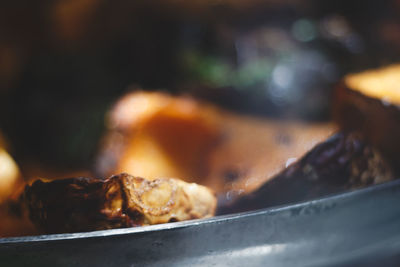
359,228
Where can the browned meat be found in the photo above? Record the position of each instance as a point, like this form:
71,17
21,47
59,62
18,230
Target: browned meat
85,204
369,102
341,163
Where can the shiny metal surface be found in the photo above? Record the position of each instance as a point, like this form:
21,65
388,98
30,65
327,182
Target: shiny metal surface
360,228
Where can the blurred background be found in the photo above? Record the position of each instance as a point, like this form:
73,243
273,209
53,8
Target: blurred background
64,62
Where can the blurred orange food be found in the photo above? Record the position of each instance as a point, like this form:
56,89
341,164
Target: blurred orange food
158,135
13,220
10,176
155,135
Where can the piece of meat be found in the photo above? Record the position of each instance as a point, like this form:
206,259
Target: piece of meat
343,162
369,102
86,204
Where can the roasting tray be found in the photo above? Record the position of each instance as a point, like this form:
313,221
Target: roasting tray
359,228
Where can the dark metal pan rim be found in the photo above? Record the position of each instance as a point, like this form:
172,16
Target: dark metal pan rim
199,222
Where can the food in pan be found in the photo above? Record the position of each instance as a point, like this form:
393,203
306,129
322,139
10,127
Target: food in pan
86,204
343,162
12,220
158,135
10,176
249,162
370,103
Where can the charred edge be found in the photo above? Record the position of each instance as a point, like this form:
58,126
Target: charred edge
326,169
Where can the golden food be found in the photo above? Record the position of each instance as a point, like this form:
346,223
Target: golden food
87,204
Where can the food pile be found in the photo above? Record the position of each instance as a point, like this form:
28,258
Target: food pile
170,158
